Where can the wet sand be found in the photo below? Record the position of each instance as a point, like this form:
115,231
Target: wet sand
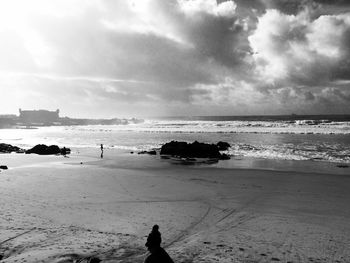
72,208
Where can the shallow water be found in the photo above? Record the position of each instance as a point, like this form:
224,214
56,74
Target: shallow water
276,140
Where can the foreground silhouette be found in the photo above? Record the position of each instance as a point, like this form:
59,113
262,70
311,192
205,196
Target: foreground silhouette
158,254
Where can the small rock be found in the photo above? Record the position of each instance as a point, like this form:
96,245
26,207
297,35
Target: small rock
8,148
224,157
223,146
275,259
343,166
153,152
3,167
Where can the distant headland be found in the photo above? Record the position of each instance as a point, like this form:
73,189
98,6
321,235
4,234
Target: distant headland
34,118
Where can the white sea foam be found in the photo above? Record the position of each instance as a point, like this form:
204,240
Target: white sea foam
289,140
292,152
280,127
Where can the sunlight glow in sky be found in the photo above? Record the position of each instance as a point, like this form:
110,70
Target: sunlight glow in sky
103,58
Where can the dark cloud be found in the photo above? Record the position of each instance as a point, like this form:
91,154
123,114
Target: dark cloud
101,52
245,56
295,6
334,2
309,96
217,38
287,6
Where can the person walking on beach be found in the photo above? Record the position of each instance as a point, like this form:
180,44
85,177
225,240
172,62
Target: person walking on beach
101,150
158,254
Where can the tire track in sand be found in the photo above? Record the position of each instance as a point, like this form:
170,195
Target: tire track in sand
185,233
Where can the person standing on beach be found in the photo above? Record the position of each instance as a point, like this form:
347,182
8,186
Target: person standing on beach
158,254
101,150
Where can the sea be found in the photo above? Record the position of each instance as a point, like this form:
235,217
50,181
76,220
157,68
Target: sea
321,138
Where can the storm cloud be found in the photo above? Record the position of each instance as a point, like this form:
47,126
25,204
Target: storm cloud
175,57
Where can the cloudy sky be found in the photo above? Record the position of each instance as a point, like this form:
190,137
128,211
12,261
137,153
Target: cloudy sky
113,58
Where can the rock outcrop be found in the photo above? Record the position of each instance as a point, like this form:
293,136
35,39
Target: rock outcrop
223,146
8,148
152,152
192,150
43,149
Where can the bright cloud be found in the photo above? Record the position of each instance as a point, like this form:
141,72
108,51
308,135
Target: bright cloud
297,48
175,57
191,7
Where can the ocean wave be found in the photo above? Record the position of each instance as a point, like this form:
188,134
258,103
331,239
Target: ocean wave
334,153
265,127
271,140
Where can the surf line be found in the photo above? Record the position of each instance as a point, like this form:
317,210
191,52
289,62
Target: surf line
2,242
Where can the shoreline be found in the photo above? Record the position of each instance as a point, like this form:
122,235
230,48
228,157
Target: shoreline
235,163
106,207
91,155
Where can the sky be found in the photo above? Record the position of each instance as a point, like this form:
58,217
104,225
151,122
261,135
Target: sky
139,58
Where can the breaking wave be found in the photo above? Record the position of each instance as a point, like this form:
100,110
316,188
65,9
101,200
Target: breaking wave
319,139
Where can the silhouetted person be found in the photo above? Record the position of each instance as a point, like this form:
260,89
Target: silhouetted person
158,254
101,150
154,237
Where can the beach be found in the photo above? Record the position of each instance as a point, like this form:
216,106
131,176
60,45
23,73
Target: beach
64,209
224,124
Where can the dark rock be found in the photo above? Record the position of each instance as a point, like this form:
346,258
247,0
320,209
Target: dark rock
65,151
224,157
191,150
43,149
223,146
343,166
211,161
3,167
94,260
8,148
153,152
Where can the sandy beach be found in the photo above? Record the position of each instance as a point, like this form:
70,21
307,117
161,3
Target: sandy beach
67,209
